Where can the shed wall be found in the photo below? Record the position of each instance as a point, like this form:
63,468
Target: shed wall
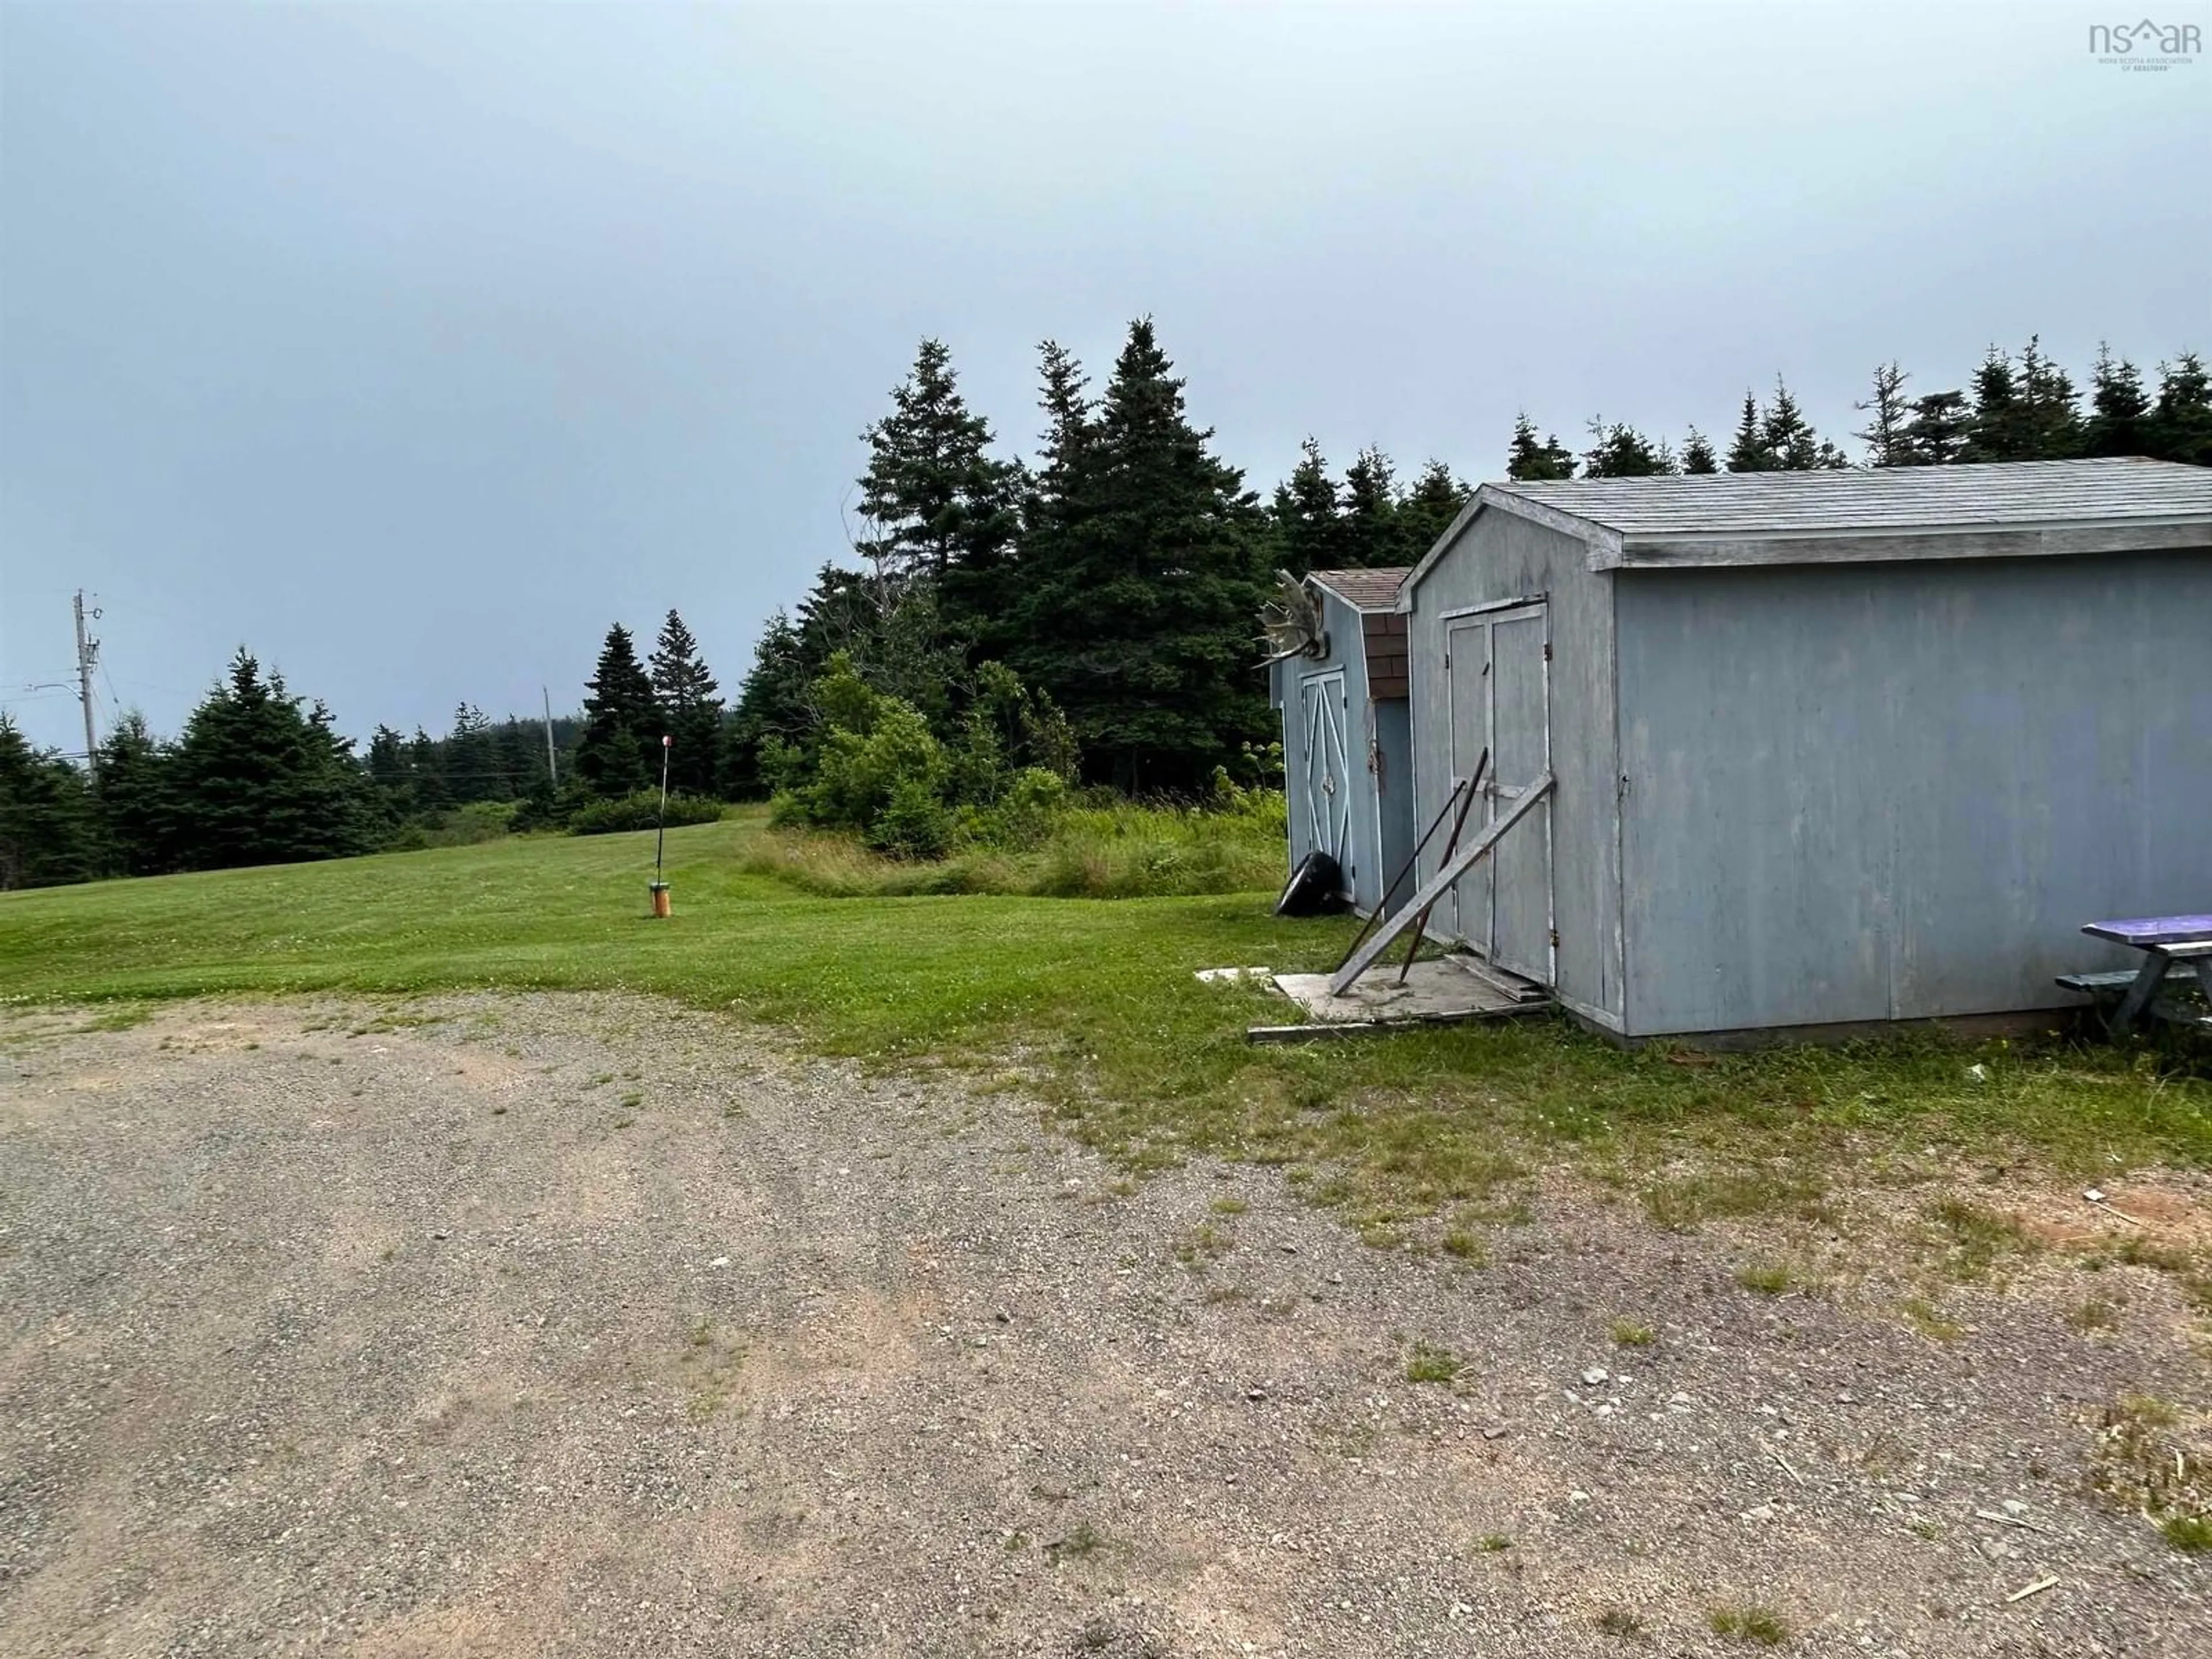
1498,556
1897,791
1364,858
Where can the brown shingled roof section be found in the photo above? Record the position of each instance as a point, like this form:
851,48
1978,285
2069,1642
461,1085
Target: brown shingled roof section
1364,590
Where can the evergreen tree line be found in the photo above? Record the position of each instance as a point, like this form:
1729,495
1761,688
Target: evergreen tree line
2022,408
259,776
1085,615
1115,577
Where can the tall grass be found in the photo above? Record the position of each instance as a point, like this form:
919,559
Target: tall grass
1118,850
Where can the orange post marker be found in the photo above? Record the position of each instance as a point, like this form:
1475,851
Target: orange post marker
660,898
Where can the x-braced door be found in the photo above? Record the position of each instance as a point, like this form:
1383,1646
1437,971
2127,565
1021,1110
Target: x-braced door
1325,784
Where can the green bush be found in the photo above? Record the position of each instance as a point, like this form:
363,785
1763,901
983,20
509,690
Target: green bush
857,774
641,812
913,825
462,826
1029,804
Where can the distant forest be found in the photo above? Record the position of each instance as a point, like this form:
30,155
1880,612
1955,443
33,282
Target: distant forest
1004,631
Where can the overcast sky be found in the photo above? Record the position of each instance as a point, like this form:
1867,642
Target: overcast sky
412,345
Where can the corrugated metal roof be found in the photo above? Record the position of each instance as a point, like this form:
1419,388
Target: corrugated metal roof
1998,495
1364,590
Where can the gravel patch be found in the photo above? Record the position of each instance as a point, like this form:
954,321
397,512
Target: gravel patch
584,1325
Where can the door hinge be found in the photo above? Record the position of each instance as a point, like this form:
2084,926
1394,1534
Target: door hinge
1555,939
1547,650
1446,659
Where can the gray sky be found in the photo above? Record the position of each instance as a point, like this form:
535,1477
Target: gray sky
413,345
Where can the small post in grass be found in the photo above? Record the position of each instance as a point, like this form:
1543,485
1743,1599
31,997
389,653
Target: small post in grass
661,834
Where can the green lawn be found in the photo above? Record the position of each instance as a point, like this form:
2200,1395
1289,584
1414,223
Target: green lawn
1093,1003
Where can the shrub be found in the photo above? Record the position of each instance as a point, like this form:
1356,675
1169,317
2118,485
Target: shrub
462,826
641,812
914,824
1028,807
858,772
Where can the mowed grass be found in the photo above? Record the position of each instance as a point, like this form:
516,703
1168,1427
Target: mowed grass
1091,1006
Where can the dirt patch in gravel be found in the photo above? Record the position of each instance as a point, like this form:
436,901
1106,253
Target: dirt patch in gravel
586,1326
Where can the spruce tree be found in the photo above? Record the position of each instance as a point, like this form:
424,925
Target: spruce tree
1995,431
1887,412
619,752
1143,603
470,768
690,708
254,781
132,794
49,831
1748,453
774,704
1370,526
1529,460
943,508
1789,439
426,774
1622,451
2181,422
1305,520
1698,457
2119,409
2051,415
1937,433
1427,510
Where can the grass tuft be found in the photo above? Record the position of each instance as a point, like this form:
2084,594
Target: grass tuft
1762,1626
1430,1364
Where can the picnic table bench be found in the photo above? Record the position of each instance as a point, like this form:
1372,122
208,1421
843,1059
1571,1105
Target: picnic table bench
2175,949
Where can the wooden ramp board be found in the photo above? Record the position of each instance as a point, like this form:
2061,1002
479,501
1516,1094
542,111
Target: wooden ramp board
1438,992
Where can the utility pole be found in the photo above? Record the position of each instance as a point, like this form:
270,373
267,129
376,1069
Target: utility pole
552,770
87,653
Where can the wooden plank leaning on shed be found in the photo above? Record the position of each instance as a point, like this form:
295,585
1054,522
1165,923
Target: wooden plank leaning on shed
1452,869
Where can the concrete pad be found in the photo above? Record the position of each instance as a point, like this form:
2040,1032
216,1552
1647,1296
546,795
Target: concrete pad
1437,990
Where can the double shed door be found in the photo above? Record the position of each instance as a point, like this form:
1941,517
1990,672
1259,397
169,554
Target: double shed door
1498,671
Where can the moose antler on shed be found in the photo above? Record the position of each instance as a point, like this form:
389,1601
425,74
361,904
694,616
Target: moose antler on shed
1289,623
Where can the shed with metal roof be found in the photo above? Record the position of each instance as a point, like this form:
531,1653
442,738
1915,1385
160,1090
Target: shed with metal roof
1818,749
1340,683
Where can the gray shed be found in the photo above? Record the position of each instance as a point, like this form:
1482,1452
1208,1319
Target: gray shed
1347,743
1825,748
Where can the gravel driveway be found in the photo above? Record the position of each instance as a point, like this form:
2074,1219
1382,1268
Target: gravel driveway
585,1326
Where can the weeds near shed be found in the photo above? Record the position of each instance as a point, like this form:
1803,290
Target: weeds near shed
1929,1319
1082,1541
1762,1626
1682,1203
1430,1364
1765,1278
2141,1461
1977,1237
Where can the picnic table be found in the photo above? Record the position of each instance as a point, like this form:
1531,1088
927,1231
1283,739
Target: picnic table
2175,949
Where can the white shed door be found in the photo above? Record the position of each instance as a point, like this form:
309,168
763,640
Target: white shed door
1325,784
1520,684
1498,672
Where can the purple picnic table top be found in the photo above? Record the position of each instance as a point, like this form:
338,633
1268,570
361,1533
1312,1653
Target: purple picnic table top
2148,932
